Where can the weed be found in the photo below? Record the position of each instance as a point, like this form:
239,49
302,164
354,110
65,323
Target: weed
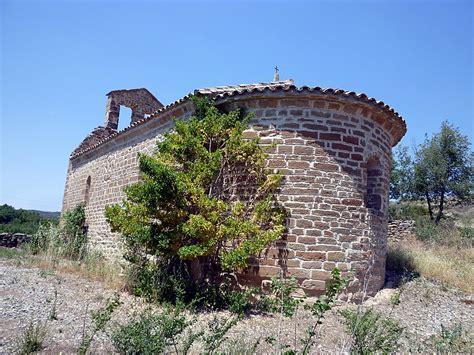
32,339
66,240
241,346
451,340
53,315
153,334
280,299
44,273
11,253
371,332
399,260
100,318
467,235
334,286
218,328
395,298
240,302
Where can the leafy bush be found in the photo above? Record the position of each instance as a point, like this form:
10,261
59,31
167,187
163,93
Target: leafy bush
68,239
151,333
280,299
426,230
445,233
406,210
185,208
31,341
241,302
164,280
371,332
74,232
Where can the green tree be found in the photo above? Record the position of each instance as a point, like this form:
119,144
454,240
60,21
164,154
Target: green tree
443,168
401,175
204,194
21,221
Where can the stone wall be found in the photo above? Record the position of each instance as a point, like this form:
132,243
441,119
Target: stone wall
334,155
401,229
336,163
140,101
111,167
13,240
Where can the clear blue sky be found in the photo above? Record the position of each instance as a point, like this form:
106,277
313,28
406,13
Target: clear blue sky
60,58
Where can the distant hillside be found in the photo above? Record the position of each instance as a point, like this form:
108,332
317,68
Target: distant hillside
47,214
14,220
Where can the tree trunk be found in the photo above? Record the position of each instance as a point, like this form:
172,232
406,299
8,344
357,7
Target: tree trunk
440,209
430,209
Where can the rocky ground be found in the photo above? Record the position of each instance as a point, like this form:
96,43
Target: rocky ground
34,295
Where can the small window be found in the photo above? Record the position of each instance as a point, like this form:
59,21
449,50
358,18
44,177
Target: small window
374,184
88,190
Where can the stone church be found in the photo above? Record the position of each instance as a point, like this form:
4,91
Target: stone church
334,150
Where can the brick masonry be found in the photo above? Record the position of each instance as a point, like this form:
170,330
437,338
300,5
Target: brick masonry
334,153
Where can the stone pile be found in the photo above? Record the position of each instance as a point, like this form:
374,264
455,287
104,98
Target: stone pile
13,240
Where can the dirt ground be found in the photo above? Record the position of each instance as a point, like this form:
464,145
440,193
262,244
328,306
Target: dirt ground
32,295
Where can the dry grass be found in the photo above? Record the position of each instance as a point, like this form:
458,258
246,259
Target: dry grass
93,267
451,265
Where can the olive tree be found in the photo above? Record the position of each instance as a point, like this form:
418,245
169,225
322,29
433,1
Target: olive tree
443,168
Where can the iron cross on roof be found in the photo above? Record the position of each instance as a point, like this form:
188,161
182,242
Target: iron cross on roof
276,77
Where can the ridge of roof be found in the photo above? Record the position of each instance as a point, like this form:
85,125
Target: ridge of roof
242,87
227,91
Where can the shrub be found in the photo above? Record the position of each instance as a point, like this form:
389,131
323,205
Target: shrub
100,318
74,232
406,210
426,230
151,333
371,332
451,340
164,280
68,239
280,299
467,236
31,341
241,302
218,328
185,208
399,260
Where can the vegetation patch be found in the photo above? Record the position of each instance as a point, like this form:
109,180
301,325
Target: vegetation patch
31,341
204,206
23,221
371,332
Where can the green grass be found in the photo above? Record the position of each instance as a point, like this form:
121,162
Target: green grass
11,253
